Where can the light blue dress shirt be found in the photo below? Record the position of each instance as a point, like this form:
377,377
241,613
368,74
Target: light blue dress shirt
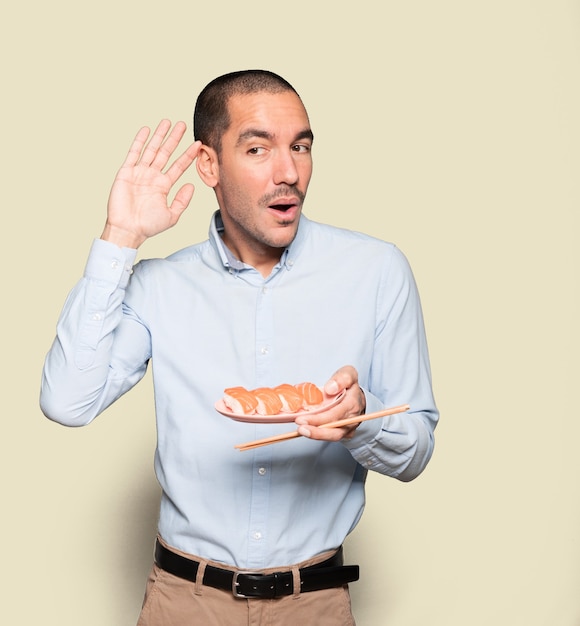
205,322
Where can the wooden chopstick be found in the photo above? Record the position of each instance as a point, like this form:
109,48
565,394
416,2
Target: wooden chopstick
344,422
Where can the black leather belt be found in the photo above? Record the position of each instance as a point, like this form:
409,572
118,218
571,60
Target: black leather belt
325,575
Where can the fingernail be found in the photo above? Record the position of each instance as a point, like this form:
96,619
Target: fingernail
304,431
331,387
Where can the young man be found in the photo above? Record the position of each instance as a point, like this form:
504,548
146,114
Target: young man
271,297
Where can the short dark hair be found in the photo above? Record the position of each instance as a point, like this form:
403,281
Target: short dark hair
211,117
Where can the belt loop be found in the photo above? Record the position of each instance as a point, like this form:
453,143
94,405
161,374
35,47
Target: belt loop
296,582
199,578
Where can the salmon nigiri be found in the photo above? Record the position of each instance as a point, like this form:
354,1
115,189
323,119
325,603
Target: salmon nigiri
292,399
269,402
240,401
311,393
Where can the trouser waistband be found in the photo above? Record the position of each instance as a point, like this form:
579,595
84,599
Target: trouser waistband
325,575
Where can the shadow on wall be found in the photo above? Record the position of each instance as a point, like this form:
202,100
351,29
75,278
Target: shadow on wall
131,548
375,593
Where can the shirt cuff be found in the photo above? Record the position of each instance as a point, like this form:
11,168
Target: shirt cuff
109,263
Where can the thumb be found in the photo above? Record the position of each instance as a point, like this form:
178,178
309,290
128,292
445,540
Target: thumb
331,388
343,378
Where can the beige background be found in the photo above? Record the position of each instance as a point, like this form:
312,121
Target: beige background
449,127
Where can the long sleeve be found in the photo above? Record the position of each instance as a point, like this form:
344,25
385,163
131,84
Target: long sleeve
399,445
100,351
203,321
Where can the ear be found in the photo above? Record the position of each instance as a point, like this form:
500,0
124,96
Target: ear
207,165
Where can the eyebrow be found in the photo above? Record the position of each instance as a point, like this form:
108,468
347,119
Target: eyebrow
251,133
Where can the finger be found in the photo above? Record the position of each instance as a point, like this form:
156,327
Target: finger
156,141
134,153
331,415
343,378
167,147
181,201
349,407
325,434
183,162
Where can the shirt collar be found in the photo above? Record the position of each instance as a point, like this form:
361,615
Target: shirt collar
232,264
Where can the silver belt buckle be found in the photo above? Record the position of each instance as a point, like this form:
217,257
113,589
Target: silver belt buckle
236,584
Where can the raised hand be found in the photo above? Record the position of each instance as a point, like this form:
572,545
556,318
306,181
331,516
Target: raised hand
138,206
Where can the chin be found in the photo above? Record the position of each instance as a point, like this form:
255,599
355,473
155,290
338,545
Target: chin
285,238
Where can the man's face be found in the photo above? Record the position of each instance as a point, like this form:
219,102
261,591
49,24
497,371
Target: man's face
265,166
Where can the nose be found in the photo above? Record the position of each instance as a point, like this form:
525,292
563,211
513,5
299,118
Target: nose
285,169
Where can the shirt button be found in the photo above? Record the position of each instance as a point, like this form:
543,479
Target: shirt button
264,289
257,535
262,471
264,350
115,264
96,317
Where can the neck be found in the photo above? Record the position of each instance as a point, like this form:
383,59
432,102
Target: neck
261,257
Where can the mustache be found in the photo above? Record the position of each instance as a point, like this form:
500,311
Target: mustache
282,192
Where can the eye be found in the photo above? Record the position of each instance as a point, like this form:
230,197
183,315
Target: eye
256,150
301,147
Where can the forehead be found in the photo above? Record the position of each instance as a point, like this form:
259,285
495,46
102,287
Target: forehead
275,113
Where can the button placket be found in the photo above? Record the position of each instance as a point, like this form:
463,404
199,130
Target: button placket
260,504
261,480
264,334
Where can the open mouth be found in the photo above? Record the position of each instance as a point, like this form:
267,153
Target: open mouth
282,207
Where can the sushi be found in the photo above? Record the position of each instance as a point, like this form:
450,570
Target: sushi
283,398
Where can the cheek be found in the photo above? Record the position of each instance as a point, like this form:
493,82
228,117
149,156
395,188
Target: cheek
235,187
305,173
244,177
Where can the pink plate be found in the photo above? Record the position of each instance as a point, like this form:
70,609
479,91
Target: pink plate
279,418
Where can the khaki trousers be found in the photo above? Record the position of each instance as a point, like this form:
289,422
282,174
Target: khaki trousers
173,601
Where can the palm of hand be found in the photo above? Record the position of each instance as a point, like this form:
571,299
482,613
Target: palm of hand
138,205
138,201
